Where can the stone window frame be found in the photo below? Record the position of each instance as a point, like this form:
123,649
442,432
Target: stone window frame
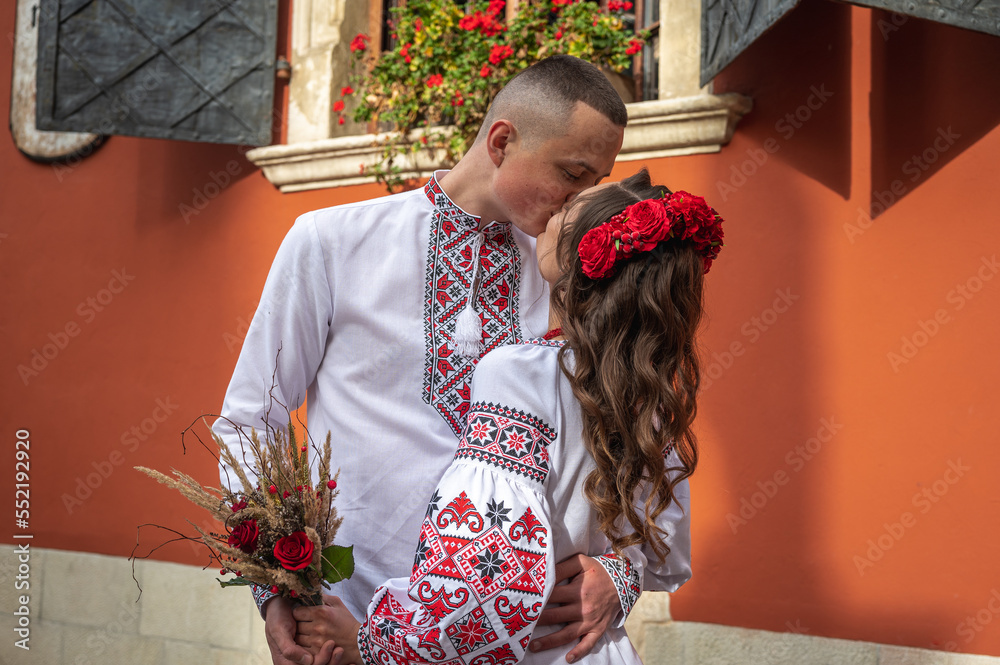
686,119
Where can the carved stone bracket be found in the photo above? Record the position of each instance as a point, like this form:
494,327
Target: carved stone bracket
666,127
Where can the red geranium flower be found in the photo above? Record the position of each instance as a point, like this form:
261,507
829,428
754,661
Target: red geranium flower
500,52
485,71
338,105
346,91
360,43
295,551
434,80
634,46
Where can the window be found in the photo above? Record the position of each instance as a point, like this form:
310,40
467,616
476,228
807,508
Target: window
677,115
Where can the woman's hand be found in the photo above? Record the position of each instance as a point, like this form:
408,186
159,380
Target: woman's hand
329,631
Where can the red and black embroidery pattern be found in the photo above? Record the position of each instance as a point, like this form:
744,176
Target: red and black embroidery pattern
625,577
508,439
450,263
475,592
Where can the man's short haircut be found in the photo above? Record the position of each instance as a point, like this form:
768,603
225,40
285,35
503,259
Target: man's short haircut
540,99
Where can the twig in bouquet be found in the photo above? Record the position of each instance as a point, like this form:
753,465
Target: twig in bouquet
212,556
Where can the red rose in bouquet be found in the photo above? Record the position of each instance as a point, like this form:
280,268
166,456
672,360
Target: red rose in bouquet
597,251
244,536
294,551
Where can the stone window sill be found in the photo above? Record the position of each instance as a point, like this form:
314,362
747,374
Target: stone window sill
662,128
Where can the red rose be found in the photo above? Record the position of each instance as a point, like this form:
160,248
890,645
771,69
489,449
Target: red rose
295,551
597,251
650,220
244,536
691,213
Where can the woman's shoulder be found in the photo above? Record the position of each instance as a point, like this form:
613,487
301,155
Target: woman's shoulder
526,373
514,357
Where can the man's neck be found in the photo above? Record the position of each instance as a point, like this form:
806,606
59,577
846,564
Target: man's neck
468,187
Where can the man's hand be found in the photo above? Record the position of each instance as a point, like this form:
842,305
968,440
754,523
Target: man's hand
587,604
328,630
279,628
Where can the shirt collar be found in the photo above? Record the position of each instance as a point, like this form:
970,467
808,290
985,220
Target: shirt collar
443,203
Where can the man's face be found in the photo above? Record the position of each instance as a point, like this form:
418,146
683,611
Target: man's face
533,183
548,239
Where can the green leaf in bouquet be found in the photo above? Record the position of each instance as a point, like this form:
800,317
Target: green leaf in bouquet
236,581
338,563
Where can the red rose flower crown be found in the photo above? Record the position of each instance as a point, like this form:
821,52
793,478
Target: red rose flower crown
644,225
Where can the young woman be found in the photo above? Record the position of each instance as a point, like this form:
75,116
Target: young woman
578,442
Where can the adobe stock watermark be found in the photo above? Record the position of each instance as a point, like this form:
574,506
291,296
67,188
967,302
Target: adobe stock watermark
131,439
87,311
892,25
915,167
217,181
796,459
752,329
970,627
98,641
787,126
926,329
924,501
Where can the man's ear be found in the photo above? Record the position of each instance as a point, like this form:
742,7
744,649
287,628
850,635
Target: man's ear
499,139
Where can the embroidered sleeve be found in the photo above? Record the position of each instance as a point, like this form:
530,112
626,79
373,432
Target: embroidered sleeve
261,594
626,578
483,567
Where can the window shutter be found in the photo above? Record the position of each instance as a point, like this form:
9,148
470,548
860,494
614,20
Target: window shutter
979,16
193,70
728,27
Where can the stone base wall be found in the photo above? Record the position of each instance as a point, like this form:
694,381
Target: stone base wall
85,609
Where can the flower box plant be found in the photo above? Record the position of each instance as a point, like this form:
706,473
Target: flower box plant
433,89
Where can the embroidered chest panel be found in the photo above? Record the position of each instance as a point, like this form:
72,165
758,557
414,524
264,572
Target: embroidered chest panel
447,374
510,440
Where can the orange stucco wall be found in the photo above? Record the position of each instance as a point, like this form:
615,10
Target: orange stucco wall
848,424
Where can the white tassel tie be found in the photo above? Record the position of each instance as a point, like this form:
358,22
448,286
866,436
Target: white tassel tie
468,326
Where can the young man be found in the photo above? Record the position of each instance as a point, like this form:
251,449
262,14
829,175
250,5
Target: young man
365,302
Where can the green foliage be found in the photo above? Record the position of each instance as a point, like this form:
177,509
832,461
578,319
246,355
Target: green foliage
449,63
338,563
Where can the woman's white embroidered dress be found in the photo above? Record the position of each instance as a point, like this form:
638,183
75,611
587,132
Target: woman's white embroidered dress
510,505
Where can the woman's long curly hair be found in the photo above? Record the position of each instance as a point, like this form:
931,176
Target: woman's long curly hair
634,369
